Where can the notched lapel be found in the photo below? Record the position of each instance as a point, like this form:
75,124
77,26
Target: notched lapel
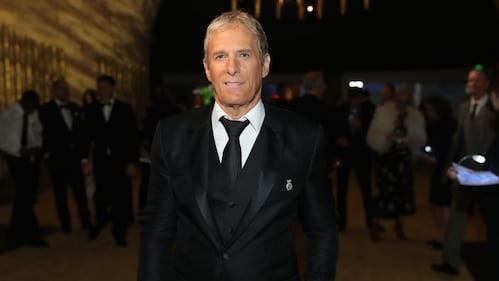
199,138
273,146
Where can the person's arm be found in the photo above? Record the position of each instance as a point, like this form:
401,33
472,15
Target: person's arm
319,220
158,228
378,131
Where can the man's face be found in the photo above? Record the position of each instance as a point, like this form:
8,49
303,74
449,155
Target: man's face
403,100
104,91
478,83
61,90
233,66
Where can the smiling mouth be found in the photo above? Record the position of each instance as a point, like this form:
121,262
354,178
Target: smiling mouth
233,83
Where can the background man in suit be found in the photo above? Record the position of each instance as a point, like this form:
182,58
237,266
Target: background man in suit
63,143
474,135
242,229
313,105
113,133
21,140
353,120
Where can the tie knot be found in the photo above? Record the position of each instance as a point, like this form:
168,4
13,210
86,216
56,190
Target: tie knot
234,128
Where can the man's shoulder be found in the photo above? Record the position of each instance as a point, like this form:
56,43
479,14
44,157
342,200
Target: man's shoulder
281,117
191,117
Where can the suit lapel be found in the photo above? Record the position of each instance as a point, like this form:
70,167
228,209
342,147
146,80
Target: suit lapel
273,151
200,136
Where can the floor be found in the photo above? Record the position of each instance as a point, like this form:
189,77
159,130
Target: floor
73,257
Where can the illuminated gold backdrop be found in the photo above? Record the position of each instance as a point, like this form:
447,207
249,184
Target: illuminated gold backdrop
78,39
26,64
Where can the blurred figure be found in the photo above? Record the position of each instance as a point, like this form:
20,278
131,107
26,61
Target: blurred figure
474,135
21,140
440,127
396,131
89,97
112,129
354,154
488,200
63,144
312,105
285,96
387,93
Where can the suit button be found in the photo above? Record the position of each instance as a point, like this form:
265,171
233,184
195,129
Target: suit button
226,256
231,204
231,230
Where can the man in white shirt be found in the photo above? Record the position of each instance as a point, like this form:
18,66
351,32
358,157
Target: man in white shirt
21,141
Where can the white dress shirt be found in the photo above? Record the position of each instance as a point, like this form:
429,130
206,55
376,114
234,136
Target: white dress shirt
11,123
66,113
106,109
247,138
480,103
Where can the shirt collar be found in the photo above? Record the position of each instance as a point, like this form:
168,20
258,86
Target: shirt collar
481,102
256,116
59,102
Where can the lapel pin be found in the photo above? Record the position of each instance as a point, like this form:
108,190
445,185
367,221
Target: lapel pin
289,185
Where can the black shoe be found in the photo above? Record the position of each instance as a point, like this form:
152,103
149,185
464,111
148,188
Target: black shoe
435,244
121,242
445,268
38,244
93,233
376,226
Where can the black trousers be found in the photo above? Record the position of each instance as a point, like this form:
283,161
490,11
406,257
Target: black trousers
113,196
362,171
67,174
23,226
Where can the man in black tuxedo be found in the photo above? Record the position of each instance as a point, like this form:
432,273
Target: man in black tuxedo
353,152
313,105
206,220
64,146
113,134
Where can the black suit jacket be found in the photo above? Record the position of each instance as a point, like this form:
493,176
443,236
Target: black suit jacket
359,150
59,141
116,138
292,175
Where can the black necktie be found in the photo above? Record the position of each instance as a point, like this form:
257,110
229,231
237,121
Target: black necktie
473,111
24,132
231,159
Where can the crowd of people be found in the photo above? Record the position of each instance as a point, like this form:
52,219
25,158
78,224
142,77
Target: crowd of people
218,217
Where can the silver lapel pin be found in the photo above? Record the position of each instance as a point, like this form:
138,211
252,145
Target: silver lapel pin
289,185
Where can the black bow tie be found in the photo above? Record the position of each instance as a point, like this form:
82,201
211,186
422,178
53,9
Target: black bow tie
63,106
106,104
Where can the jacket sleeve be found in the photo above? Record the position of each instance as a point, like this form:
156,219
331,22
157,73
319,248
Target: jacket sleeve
319,219
158,227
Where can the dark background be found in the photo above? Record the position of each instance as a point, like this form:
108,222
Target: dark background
391,35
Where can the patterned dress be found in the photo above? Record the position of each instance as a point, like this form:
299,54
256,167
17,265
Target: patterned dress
394,177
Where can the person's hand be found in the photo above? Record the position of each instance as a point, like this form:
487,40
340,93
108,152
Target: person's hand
342,141
29,151
494,97
131,169
391,138
356,122
86,168
452,173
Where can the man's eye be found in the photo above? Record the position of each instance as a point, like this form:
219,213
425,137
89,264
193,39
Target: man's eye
219,57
